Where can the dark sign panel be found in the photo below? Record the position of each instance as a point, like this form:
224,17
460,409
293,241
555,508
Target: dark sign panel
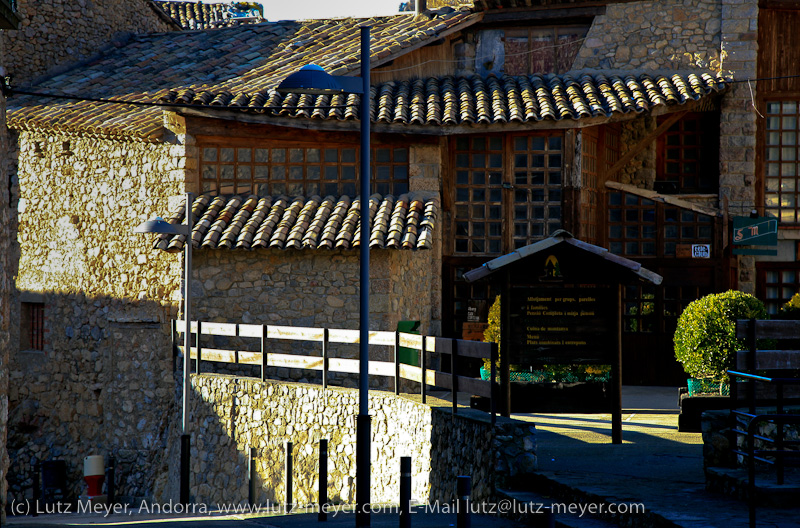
557,325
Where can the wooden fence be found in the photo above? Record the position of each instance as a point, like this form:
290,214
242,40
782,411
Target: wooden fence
456,349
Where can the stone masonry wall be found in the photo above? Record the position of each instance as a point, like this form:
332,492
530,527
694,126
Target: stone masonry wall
103,383
655,35
311,289
737,149
229,416
7,271
60,32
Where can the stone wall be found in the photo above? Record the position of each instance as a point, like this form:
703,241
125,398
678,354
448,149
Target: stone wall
103,383
311,289
737,149
655,35
7,271
230,415
60,32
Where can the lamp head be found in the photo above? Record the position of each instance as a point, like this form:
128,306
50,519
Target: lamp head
161,226
310,79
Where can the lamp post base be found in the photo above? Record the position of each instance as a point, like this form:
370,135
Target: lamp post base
185,457
363,469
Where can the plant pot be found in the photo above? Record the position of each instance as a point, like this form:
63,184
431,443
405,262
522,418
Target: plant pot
704,386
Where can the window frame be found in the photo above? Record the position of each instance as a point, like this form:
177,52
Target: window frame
397,183
506,188
32,325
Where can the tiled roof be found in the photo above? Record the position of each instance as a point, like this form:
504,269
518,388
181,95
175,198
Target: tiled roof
466,100
240,59
198,15
235,222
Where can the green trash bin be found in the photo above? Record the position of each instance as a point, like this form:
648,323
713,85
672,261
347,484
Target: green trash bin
409,356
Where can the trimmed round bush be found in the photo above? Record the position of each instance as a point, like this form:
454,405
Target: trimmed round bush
706,334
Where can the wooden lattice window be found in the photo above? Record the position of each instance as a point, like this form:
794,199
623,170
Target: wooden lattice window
479,195
688,156
31,335
640,227
489,192
781,166
295,170
631,225
589,190
639,313
542,49
779,285
537,187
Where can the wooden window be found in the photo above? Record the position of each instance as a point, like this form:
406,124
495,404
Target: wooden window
31,335
688,156
537,188
479,195
639,227
778,285
639,313
496,181
299,170
781,165
542,49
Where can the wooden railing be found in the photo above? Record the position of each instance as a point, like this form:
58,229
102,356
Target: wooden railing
456,349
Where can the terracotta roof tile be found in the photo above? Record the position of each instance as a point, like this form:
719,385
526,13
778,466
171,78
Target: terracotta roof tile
464,100
199,15
235,222
228,66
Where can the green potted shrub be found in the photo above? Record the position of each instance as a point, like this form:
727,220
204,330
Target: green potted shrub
705,337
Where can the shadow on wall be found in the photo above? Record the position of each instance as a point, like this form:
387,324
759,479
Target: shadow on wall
95,377
230,416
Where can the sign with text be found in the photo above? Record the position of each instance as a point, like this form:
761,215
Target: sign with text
748,232
562,325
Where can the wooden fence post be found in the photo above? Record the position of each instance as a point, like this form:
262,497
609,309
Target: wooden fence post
454,376
493,379
325,358
263,352
197,341
397,362
423,362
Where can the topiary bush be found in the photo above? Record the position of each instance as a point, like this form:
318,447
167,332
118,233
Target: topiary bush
706,334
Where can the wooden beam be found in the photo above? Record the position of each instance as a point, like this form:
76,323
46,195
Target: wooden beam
527,14
644,143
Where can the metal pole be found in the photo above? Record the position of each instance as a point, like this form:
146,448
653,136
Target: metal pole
363,422
463,491
322,515
405,492
616,373
112,490
289,504
187,346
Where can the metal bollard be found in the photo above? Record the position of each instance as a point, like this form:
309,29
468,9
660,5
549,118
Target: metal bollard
251,485
322,515
463,491
37,487
288,505
405,492
548,518
112,469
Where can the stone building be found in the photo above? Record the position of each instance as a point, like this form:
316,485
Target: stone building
8,20
494,125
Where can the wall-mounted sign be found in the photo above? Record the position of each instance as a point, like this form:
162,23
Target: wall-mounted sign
749,232
693,251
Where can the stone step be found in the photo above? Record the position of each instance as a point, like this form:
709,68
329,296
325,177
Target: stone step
734,481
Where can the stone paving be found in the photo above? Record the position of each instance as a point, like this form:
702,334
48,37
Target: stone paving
655,465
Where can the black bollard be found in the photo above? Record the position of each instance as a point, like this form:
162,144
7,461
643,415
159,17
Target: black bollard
463,491
37,488
548,518
322,515
112,492
405,492
251,488
288,505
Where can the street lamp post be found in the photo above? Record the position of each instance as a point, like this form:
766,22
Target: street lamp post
158,225
312,79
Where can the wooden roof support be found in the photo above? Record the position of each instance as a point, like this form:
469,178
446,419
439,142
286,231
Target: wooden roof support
644,143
